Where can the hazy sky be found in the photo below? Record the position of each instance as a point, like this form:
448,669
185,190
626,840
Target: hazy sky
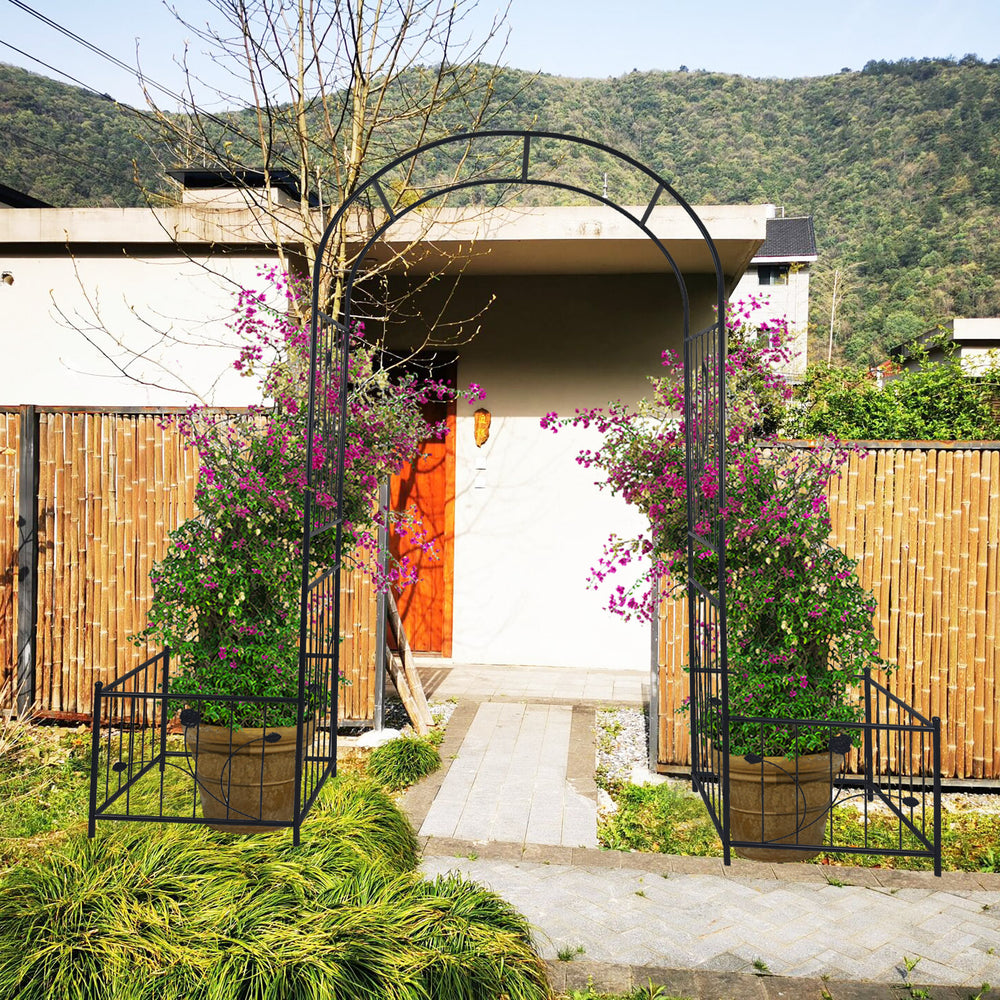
568,37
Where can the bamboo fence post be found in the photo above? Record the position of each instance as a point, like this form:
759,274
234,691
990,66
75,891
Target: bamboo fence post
978,528
882,541
949,748
926,582
961,612
10,554
62,476
992,594
918,499
939,648
915,631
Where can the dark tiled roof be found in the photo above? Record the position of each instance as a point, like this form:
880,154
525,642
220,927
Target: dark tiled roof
18,199
789,238
217,177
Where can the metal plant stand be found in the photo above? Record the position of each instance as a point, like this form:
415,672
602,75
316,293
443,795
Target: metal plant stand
142,772
139,773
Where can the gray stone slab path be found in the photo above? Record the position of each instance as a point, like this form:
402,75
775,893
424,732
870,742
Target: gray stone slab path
510,783
514,809
487,682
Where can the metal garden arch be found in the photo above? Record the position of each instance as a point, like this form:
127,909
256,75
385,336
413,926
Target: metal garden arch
704,364
901,749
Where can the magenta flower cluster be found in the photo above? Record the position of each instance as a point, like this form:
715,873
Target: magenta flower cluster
226,596
799,623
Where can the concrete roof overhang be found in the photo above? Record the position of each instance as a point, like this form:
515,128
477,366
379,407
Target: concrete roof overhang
571,240
537,240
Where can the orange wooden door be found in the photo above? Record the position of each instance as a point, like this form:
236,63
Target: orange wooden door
426,487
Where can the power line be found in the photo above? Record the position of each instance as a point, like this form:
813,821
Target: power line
41,62
97,50
60,153
143,80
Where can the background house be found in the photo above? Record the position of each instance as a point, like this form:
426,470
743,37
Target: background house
581,305
571,307
125,306
779,271
11,198
975,342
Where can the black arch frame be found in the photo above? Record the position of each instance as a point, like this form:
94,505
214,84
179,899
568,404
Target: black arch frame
704,364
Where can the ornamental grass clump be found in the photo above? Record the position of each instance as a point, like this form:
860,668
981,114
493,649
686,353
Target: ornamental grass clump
800,625
226,596
179,912
403,761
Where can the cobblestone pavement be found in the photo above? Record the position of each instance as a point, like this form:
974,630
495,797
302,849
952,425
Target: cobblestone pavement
514,810
630,916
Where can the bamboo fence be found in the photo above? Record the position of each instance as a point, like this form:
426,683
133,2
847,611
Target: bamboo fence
923,521
112,486
10,427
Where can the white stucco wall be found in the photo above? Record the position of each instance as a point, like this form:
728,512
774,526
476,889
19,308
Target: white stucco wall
790,300
529,521
68,323
979,343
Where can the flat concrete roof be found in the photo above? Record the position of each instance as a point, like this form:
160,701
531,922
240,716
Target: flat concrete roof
536,240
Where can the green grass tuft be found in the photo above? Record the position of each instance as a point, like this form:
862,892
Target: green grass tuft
661,818
402,762
672,820
156,912
43,775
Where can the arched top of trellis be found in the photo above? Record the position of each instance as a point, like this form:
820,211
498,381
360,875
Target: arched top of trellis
372,193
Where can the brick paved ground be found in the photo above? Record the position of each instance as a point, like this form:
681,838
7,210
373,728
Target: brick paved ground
515,810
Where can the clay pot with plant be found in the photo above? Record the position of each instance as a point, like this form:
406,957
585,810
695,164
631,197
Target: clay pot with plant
226,597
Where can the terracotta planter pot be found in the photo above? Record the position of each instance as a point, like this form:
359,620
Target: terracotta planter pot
243,775
780,800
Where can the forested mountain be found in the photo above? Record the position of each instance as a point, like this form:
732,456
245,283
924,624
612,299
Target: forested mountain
899,163
66,145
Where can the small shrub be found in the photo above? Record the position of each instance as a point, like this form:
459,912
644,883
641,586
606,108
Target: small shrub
403,761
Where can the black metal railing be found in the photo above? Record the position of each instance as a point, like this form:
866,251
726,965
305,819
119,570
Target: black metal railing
141,770
882,781
155,759
705,463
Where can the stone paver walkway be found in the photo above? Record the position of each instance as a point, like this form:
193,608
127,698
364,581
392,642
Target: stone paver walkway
510,783
443,679
514,809
640,918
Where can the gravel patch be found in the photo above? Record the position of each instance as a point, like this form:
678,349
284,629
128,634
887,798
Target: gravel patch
621,743
396,717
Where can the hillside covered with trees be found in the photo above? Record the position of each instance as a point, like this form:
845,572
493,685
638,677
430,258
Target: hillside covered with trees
899,163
